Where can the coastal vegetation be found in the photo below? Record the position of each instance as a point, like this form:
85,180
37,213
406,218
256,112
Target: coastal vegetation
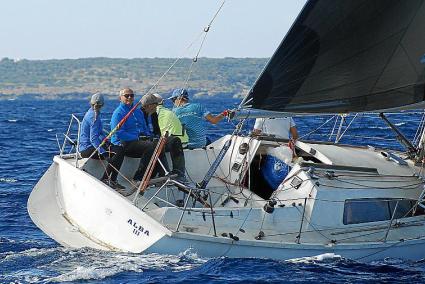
74,78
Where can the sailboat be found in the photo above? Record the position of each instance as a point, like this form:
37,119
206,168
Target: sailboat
358,202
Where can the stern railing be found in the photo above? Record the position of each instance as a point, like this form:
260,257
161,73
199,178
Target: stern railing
68,139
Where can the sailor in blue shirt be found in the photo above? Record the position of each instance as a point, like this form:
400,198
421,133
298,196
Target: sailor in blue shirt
193,116
92,136
128,134
142,124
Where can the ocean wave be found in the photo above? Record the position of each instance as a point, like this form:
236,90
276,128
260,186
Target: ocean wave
60,264
97,265
8,180
400,124
316,258
29,253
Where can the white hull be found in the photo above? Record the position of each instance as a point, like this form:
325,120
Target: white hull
91,213
77,210
411,250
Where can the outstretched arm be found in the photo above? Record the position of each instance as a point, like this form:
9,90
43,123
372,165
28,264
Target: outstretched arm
294,133
217,118
214,119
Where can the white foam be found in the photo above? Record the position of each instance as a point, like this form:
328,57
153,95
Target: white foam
191,254
310,259
85,273
88,264
12,120
8,180
34,252
96,265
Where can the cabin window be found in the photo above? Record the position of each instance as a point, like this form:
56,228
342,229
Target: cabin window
358,211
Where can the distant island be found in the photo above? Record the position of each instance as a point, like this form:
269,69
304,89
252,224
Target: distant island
75,78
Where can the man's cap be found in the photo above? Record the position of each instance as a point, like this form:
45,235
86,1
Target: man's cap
158,96
150,99
179,93
97,99
126,91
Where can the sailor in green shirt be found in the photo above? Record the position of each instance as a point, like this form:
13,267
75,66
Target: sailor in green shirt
168,121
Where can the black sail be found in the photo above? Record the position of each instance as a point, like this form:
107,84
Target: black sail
347,56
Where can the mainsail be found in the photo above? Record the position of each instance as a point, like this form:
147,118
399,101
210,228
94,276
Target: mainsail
347,56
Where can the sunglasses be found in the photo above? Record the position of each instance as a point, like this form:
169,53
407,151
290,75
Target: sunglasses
128,96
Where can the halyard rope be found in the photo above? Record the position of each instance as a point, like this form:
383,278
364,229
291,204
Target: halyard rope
113,131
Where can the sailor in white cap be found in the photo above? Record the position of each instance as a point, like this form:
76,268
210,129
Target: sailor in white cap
156,115
91,138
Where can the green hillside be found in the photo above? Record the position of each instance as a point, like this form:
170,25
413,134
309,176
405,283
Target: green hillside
71,78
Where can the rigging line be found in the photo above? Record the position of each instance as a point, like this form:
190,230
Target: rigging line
149,91
372,180
322,173
419,130
363,227
313,226
333,129
371,187
388,178
407,186
381,250
243,223
369,137
187,48
416,139
376,231
216,14
348,126
311,132
355,200
382,176
317,230
121,174
206,30
355,136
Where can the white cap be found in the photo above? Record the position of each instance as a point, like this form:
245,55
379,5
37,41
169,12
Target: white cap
150,99
97,99
158,96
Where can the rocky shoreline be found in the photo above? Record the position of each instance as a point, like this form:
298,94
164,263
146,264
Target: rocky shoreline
75,78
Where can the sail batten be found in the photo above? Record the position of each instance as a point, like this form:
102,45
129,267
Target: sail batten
347,56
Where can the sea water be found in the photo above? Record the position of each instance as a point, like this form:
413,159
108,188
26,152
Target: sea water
28,132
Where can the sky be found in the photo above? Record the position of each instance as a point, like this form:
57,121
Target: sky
58,29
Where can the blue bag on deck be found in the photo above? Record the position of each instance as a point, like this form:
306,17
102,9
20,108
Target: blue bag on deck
274,171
